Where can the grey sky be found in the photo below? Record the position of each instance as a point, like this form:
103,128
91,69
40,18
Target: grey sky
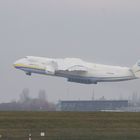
99,31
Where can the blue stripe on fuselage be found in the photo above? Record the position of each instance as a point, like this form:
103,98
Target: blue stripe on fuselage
32,70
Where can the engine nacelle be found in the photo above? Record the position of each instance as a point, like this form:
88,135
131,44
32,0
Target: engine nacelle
136,69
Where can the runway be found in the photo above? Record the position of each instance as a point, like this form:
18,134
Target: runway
70,125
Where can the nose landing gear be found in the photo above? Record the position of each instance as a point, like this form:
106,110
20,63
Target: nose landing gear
28,73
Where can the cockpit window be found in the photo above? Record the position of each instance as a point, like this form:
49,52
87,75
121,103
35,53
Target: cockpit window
30,59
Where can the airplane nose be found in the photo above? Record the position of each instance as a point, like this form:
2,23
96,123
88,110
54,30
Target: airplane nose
17,63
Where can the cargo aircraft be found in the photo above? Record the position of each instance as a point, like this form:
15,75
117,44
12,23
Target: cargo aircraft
77,70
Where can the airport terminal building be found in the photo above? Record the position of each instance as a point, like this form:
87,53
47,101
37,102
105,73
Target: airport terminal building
92,105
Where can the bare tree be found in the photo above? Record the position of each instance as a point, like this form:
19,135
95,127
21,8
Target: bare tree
24,96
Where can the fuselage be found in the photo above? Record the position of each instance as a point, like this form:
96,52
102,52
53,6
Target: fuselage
74,69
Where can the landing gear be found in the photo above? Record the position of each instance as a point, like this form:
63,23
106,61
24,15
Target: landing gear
28,73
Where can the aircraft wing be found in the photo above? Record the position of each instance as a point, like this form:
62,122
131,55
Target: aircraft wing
51,67
77,68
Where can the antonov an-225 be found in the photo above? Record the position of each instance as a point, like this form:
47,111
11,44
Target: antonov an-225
77,70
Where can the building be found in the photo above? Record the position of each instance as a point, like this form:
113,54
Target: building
95,105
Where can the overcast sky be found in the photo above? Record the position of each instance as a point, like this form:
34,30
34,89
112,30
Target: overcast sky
100,31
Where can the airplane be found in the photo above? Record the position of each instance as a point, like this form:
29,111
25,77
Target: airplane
77,70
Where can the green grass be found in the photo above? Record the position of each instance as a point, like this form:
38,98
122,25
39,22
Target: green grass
70,125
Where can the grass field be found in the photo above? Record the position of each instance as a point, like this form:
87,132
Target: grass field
69,126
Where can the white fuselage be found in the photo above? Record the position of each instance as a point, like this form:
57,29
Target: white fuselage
75,70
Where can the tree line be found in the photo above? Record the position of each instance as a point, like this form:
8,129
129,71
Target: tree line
27,103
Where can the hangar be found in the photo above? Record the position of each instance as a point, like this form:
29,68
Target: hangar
92,105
